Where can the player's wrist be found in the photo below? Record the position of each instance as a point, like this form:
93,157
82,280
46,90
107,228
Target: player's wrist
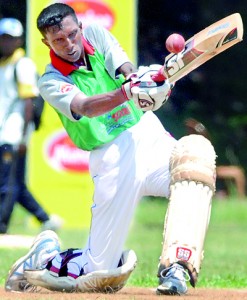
128,85
125,88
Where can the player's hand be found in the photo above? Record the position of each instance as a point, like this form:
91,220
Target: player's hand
129,84
151,95
133,79
144,73
147,94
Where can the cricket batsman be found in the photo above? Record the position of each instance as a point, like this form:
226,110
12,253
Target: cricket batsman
106,105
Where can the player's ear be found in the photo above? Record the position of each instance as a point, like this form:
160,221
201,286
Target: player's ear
44,41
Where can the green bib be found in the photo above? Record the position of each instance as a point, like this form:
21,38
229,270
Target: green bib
90,133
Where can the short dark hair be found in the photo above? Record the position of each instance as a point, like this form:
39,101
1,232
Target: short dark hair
53,15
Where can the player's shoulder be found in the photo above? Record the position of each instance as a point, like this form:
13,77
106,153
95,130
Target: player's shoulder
97,36
93,27
52,74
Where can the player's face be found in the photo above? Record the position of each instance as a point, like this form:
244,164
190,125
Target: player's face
65,40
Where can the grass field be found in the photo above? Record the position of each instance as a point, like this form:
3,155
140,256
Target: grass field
225,263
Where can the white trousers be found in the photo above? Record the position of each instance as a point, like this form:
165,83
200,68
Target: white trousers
134,165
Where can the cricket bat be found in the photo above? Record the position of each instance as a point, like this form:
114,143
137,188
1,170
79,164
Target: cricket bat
203,46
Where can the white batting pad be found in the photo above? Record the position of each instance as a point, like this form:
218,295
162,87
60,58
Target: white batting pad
193,158
192,186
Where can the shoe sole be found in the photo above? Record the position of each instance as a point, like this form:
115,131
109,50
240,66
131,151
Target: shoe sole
17,264
167,292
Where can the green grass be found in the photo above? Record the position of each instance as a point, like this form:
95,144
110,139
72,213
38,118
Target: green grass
224,265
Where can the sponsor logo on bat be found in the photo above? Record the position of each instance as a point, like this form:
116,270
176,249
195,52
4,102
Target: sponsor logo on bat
218,28
179,61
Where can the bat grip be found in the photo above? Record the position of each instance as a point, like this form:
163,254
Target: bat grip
159,77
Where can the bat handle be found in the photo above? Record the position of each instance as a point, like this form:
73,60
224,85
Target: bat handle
159,77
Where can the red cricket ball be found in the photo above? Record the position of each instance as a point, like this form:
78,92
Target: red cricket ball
175,43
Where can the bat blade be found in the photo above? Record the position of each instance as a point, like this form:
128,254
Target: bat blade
203,46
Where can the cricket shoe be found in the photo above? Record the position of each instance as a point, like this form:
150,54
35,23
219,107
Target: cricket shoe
173,281
45,246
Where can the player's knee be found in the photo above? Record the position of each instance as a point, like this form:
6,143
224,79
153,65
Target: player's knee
193,159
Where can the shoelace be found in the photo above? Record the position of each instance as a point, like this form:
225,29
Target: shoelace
169,272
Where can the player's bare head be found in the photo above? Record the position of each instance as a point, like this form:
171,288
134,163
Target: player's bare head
52,16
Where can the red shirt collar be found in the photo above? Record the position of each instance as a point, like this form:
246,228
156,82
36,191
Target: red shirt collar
65,67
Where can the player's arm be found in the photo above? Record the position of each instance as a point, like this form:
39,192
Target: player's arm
96,105
70,101
126,69
147,94
99,104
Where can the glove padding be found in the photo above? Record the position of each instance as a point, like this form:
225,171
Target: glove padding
147,94
128,85
134,79
151,95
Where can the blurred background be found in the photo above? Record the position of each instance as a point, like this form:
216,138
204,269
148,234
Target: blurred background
215,93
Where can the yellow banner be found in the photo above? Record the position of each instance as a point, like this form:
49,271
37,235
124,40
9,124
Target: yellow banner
58,171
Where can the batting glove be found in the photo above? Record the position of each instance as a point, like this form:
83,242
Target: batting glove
143,74
151,95
132,80
147,94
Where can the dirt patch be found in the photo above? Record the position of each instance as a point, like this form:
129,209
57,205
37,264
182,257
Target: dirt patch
131,294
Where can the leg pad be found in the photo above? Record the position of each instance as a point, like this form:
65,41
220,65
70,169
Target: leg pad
192,167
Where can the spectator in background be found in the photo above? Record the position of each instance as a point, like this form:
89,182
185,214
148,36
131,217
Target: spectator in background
224,172
17,87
